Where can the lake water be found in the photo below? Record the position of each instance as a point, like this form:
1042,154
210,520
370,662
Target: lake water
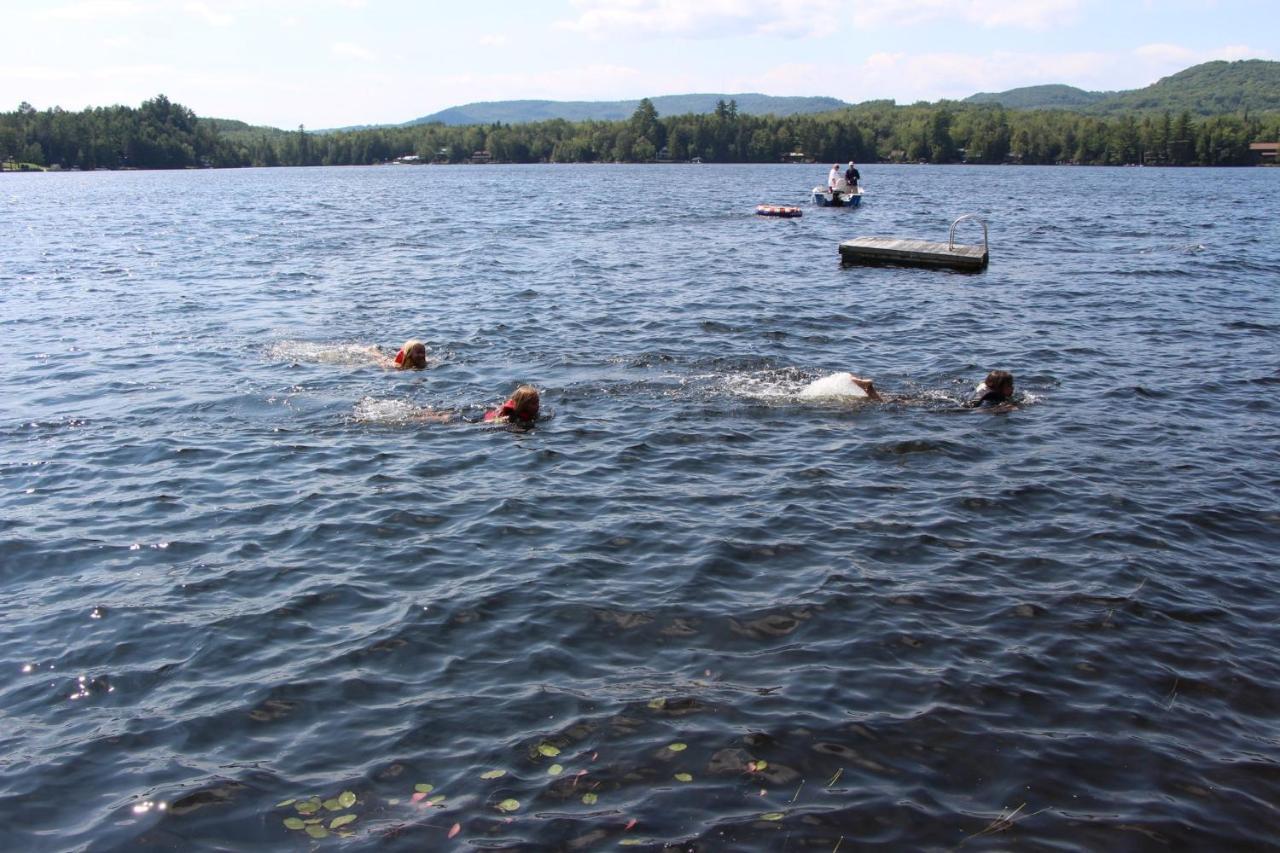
690,607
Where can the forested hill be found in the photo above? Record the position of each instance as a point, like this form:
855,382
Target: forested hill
1051,97
517,112
1213,88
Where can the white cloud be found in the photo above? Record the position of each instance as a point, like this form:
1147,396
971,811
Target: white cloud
705,19
494,40
1021,14
354,51
931,76
208,15
35,72
95,10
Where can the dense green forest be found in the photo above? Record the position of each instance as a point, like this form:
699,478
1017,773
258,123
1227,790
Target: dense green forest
163,135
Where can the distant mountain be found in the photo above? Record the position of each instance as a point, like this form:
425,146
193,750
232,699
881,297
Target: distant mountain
517,112
1050,97
1212,88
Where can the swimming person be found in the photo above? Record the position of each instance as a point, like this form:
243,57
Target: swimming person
995,390
411,356
520,408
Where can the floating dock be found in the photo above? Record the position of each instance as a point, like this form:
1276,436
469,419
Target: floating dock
918,253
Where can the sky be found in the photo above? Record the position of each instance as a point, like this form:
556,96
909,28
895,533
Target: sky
334,63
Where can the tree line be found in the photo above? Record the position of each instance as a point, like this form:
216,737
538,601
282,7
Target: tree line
161,134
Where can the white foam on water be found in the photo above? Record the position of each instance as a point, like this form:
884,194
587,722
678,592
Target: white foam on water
371,410
836,385
324,353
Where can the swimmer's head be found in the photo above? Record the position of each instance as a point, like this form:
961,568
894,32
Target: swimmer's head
412,356
1000,381
523,405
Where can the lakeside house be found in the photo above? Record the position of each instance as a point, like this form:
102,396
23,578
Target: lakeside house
1265,153
480,157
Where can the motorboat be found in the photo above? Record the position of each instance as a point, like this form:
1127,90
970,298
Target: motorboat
842,196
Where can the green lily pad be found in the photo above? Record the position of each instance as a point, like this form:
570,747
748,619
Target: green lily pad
436,800
317,831
294,822
308,807
633,842
341,820
313,820
555,769
684,777
286,803
508,805
772,816
424,788
677,747
548,750
493,774
761,764
589,799
657,704
333,805
347,799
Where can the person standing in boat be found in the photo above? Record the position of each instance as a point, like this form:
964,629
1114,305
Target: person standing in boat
851,177
834,178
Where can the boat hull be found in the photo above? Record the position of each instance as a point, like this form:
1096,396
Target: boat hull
823,197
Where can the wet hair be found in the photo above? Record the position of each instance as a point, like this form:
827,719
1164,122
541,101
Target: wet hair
402,357
999,380
524,403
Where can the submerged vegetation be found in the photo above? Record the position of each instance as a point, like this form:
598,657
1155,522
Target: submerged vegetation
161,134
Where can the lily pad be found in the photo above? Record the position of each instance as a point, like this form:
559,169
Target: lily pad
436,800
424,788
308,807
555,769
772,816
589,799
684,777
677,747
493,774
341,820
294,822
317,831
548,750
633,842
657,704
508,805
333,805
761,764
288,802
347,799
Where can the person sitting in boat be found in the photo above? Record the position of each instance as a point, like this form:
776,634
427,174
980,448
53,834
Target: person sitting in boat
411,356
995,391
851,176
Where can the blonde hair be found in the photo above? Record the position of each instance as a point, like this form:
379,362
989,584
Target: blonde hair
524,401
402,356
